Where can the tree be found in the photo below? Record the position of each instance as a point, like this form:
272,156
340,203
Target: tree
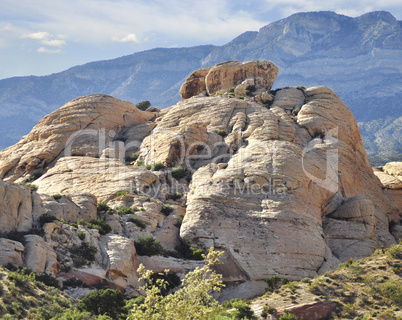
191,301
105,302
143,105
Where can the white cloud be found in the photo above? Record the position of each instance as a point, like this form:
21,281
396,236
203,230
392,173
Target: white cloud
48,51
53,43
5,27
131,37
36,36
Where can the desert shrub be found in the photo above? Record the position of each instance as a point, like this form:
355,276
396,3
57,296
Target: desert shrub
178,172
292,286
48,280
84,254
102,206
148,167
133,156
81,235
46,218
21,277
197,254
287,315
105,302
15,236
72,282
222,133
56,196
165,281
396,251
175,196
302,88
295,111
272,283
148,246
166,209
81,222
33,177
266,310
158,166
100,225
192,301
143,105
123,210
243,311
30,186
121,194
179,221
136,221
391,290
140,163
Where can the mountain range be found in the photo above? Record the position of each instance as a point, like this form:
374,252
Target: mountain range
359,58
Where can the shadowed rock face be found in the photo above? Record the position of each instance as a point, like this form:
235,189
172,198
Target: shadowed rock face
279,181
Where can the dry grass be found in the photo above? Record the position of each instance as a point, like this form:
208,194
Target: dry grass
369,288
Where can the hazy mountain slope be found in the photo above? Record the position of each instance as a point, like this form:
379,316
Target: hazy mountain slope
359,58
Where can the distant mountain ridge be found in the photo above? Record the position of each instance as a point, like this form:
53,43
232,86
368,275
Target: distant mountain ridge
359,58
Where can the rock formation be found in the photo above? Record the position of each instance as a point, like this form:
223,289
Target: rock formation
278,180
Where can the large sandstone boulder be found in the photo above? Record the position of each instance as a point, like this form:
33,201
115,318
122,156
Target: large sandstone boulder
19,207
258,74
120,260
39,256
391,180
11,252
85,127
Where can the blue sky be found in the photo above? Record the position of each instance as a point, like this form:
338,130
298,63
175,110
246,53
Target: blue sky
42,37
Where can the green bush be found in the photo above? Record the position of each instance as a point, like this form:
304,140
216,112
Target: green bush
84,254
243,311
133,156
197,254
143,105
148,167
123,210
81,235
56,196
100,225
21,277
148,246
102,206
30,186
266,310
159,166
287,315
222,133
179,221
72,282
121,194
48,280
105,302
81,222
33,177
272,283
175,196
136,221
178,172
140,163
193,300
166,209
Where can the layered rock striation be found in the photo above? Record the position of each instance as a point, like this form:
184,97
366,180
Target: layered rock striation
278,180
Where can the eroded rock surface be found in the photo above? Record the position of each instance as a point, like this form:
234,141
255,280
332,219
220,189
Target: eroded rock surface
278,180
